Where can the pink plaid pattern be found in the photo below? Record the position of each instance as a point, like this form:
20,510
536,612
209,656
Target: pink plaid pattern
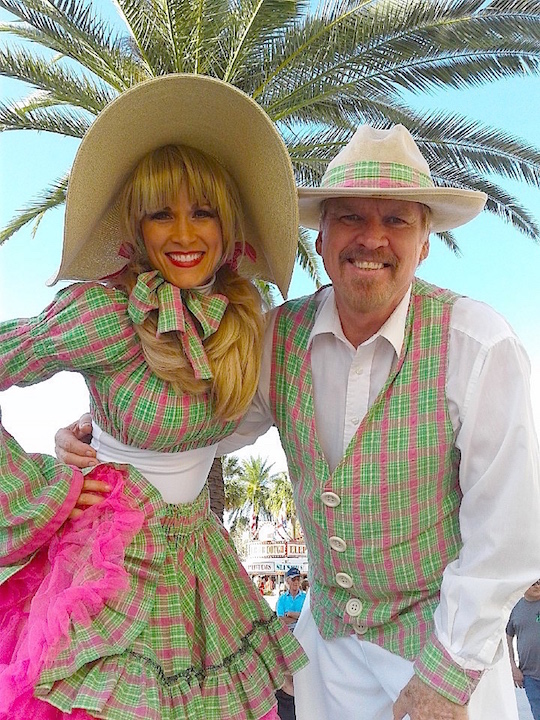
397,483
162,620
375,174
87,329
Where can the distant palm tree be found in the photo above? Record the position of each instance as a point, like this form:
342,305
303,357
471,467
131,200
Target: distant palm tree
318,72
281,501
234,487
248,491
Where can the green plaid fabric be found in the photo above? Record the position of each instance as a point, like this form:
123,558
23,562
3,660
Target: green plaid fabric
29,519
142,609
203,645
397,483
177,311
374,174
87,329
162,620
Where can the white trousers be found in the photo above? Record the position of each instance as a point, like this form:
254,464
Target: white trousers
351,679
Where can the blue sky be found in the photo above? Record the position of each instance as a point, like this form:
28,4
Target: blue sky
498,265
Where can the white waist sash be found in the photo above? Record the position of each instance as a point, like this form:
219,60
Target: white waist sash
179,476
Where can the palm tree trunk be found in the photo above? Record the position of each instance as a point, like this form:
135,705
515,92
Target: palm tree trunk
217,488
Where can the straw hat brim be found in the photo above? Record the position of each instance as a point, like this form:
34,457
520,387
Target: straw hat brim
450,207
193,110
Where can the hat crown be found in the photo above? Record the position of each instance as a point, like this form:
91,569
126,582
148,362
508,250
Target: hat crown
394,146
388,164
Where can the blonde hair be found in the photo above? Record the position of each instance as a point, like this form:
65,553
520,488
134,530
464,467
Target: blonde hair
234,350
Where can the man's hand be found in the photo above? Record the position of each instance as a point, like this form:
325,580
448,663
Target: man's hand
71,444
517,676
422,702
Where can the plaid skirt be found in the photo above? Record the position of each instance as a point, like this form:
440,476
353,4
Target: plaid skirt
141,609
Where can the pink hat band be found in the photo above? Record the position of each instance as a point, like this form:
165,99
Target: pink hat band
375,174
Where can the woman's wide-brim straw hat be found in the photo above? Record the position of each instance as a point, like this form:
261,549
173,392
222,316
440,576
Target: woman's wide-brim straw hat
184,109
388,164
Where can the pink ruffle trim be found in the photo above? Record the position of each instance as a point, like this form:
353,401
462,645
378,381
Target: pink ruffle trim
82,569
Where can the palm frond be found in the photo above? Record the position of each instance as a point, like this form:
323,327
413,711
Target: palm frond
318,72
61,84
64,121
307,257
257,22
73,30
34,211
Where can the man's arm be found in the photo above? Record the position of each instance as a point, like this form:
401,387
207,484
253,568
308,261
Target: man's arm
499,478
72,443
517,675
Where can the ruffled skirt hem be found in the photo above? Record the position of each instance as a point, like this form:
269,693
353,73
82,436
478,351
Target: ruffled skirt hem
140,610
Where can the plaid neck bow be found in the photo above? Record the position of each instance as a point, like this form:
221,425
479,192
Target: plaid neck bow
177,311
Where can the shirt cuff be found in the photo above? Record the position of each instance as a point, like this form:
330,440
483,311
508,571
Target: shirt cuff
437,669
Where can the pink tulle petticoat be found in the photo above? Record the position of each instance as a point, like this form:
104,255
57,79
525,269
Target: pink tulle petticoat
38,602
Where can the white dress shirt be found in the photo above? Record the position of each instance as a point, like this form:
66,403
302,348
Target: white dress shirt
489,402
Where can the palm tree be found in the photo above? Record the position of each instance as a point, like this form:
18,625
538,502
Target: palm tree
318,72
234,488
281,501
248,489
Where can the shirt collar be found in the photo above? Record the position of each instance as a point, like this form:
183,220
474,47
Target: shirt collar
327,321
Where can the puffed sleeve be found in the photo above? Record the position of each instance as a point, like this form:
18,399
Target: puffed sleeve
85,328
37,493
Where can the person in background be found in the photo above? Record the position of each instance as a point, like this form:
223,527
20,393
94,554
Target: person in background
289,604
289,607
524,625
120,587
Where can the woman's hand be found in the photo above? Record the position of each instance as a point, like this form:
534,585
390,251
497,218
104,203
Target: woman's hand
91,494
72,443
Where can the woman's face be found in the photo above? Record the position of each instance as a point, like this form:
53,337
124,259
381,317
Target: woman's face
184,241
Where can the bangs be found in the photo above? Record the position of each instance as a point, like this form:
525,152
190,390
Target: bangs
163,173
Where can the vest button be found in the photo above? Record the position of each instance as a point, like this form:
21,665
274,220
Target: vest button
344,580
337,543
360,628
330,499
354,607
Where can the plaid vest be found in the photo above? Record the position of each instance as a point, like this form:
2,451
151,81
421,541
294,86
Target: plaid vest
383,526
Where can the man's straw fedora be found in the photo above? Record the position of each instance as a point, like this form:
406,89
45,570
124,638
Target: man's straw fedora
388,164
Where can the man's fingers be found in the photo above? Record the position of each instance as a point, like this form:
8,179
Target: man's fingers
72,451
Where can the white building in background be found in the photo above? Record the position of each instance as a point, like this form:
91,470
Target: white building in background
271,556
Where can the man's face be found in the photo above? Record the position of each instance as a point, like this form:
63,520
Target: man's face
293,583
533,593
370,249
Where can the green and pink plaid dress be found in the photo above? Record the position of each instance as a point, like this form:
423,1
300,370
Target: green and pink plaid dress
138,609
